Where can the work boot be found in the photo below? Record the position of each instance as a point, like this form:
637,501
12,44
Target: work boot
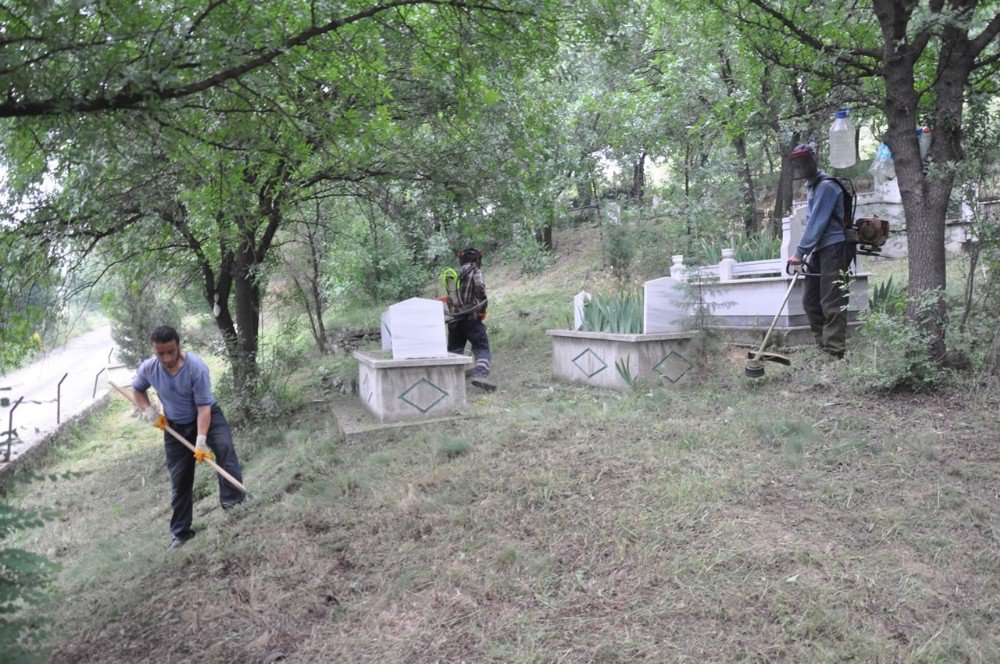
479,380
178,542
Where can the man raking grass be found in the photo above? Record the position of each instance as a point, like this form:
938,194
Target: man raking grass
184,388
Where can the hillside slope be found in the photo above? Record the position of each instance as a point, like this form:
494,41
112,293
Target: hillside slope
784,519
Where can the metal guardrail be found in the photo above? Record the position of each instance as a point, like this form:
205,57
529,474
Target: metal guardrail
11,433
96,377
59,398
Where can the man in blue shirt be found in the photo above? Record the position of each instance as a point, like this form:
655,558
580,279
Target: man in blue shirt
182,383
824,297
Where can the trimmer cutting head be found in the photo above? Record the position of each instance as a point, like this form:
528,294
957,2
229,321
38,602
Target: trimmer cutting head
754,369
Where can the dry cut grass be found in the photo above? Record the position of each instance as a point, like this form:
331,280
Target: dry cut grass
780,520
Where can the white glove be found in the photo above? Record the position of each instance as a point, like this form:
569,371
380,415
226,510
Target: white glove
151,414
201,444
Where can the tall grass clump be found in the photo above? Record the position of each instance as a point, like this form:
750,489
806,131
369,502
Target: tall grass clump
759,246
619,312
887,297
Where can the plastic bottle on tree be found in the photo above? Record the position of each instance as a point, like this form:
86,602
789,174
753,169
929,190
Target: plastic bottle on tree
842,134
924,141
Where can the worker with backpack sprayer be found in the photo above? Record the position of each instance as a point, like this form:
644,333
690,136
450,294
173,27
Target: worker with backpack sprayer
467,302
830,252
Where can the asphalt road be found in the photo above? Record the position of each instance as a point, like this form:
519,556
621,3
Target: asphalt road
80,360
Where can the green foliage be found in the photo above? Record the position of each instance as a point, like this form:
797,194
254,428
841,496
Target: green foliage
759,246
620,251
887,298
136,306
624,368
619,312
269,397
529,254
894,355
377,266
24,578
27,294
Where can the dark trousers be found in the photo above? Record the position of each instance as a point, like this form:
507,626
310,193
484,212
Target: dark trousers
181,463
824,297
471,330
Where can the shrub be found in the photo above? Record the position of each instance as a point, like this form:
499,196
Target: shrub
24,577
894,355
528,254
135,307
620,251
888,298
759,246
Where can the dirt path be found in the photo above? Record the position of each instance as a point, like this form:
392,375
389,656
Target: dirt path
82,358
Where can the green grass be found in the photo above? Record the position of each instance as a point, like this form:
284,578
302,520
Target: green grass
785,519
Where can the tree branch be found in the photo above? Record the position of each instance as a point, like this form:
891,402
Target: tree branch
130,98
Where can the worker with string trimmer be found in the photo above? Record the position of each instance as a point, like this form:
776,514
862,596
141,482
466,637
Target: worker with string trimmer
824,240
467,302
183,385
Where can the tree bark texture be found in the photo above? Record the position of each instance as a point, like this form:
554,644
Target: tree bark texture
925,192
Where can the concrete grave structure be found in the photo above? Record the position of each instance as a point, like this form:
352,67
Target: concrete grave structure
744,297
413,377
386,331
396,390
604,359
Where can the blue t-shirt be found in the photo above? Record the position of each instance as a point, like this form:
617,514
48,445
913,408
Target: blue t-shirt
181,394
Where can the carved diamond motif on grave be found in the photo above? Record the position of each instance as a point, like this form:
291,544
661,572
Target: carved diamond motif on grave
590,363
423,395
673,367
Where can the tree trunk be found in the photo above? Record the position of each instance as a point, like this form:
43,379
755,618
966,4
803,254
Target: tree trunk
311,294
925,195
638,190
749,200
247,300
786,186
740,145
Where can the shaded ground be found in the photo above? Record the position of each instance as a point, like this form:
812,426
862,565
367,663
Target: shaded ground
786,519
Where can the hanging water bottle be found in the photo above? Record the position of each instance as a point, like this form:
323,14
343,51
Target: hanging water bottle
883,167
924,141
842,153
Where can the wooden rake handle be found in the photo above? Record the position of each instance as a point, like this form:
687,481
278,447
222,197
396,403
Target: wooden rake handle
226,476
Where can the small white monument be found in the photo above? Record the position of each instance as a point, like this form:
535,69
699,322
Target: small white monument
578,301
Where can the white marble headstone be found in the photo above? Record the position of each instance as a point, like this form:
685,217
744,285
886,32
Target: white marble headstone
578,301
386,331
664,307
418,330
